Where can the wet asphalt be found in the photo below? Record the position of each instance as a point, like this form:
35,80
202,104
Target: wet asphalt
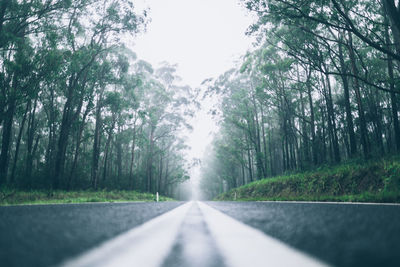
194,245
45,235
339,234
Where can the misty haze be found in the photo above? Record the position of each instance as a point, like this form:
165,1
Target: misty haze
199,133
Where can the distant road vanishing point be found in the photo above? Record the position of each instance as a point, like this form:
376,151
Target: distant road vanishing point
200,234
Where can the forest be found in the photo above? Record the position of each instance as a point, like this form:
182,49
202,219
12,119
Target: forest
78,110
322,87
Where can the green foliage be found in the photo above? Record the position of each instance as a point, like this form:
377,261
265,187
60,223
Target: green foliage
17,197
374,181
78,110
320,88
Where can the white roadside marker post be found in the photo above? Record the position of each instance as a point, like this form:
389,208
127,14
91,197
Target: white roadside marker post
157,197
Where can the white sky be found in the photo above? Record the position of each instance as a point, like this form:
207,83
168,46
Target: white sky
204,37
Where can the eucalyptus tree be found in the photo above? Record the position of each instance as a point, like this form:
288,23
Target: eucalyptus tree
321,86
77,110
111,18
168,106
25,59
334,24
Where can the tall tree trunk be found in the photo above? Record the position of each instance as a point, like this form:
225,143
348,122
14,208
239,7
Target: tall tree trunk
31,137
349,116
249,160
166,175
51,146
265,153
312,119
323,152
271,147
375,111
96,144
331,121
363,124
393,98
131,180
6,138
242,167
63,140
68,117
304,134
149,167
21,130
119,153
160,170
71,111
257,143
106,156
77,146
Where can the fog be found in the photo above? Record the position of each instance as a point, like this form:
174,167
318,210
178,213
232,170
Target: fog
205,38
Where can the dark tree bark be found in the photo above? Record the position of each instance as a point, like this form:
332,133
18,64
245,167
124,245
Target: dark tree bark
393,98
331,120
30,139
349,117
363,124
96,144
77,146
312,119
131,179
249,160
7,135
21,130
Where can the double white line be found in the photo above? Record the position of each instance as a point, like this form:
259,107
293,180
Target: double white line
148,245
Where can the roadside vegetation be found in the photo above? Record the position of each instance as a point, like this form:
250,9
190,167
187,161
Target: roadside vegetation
13,197
372,181
321,88
78,110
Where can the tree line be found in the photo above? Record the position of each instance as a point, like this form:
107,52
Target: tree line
77,109
321,87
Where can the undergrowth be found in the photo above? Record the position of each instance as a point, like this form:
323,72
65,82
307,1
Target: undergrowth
357,181
12,197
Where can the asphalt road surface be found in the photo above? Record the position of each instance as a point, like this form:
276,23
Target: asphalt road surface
335,234
45,235
339,234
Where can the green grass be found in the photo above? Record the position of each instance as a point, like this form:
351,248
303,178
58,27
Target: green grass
372,181
14,197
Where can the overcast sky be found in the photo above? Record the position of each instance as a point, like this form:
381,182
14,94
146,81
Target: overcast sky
205,38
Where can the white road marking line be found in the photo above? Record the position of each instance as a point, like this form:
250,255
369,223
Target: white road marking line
146,245
331,202
242,245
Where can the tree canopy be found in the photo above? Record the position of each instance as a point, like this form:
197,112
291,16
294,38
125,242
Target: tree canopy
77,109
321,87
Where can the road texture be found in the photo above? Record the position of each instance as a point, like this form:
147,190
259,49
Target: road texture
194,245
337,234
45,235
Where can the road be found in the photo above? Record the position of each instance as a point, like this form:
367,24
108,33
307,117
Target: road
200,234
339,234
45,235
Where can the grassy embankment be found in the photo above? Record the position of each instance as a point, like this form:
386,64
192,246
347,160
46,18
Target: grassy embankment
372,181
12,197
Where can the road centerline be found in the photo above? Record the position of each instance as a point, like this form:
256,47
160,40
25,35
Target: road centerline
152,243
242,245
138,244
